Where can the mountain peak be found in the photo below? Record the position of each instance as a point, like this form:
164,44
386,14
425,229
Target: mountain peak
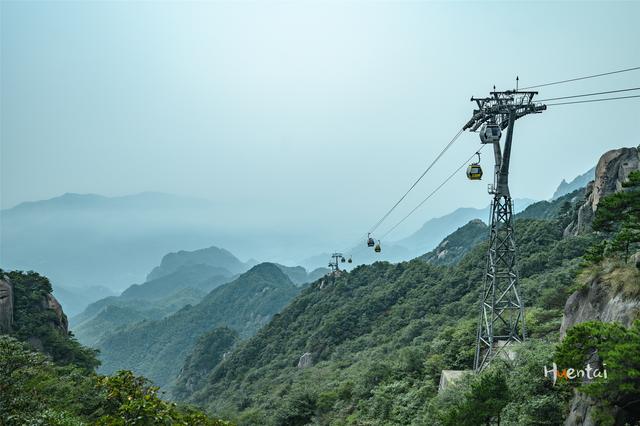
268,270
212,256
578,182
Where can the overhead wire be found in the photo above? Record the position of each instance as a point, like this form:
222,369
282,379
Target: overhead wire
580,78
594,100
589,94
432,193
382,219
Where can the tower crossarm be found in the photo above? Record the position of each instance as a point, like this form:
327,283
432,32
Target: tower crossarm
500,105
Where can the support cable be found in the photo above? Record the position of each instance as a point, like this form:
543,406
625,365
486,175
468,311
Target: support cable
580,78
594,100
416,182
589,94
432,193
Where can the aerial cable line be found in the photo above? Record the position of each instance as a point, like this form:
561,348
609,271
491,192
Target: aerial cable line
580,78
589,94
594,100
470,158
416,182
355,247
432,193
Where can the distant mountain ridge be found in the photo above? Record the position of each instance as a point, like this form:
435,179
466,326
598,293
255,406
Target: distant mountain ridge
84,240
71,199
299,275
198,276
212,256
578,182
457,244
182,278
436,229
422,241
90,240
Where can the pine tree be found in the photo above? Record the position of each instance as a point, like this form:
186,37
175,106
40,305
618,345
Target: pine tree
619,215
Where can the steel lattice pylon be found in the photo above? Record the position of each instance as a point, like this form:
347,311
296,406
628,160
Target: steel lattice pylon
501,321
501,309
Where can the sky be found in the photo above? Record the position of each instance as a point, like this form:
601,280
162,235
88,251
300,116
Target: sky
309,117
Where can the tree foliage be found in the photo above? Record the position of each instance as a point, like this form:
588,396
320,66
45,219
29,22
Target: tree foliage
36,391
618,215
608,346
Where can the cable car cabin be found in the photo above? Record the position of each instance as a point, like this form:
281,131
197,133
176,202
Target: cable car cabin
370,242
474,171
342,259
377,248
349,260
490,133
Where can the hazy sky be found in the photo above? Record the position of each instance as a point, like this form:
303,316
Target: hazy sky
310,116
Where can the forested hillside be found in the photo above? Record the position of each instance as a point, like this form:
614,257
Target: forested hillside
113,313
380,335
158,349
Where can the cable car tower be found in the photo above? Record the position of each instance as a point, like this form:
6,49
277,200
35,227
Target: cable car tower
336,259
501,319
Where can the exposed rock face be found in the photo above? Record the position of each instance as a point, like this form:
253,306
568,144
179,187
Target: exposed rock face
6,305
635,259
306,360
62,323
580,411
449,377
599,302
612,170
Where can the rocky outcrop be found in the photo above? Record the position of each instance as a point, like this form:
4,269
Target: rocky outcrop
635,259
581,411
600,301
6,305
58,321
603,298
449,377
612,170
61,319
306,360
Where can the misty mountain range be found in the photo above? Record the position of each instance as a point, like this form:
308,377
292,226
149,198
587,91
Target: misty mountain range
93,246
